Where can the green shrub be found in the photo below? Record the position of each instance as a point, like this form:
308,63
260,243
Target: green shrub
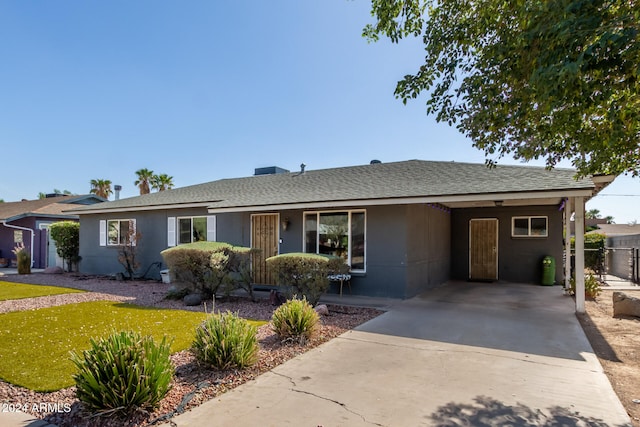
301,274
123,372
239,268
177,294
226,341
190,264
592,286
295,320
210,267
66,234
23,259
594,245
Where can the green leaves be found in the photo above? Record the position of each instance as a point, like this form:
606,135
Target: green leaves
123,372
302,274
66,234
295,321
533,79
226,341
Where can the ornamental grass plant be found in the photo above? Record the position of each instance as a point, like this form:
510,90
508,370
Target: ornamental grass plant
226,341
295,321
122,373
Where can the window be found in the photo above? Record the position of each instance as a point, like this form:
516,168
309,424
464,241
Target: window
191,229
115,232
529,226
337,233
17,236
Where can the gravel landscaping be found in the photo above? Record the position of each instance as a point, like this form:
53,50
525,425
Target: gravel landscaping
193,384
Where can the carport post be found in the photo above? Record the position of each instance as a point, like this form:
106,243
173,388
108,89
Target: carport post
567,242
579,220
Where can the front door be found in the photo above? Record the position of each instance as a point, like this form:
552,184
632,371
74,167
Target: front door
483,249
264,236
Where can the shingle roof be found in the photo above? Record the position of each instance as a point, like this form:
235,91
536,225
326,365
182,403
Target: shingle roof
54,206
617,229
413,178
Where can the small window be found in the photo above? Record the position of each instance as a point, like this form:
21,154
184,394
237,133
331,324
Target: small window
529,226
120,231
196,229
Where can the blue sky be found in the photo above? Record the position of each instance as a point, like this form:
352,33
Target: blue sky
204,90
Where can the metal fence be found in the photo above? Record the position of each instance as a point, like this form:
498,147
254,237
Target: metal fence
612,263
622,263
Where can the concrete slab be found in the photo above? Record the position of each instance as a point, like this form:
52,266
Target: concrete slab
462,355
20,419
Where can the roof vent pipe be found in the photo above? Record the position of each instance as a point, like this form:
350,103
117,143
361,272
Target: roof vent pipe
302,166
117,188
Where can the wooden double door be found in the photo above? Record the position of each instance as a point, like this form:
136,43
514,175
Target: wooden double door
483,249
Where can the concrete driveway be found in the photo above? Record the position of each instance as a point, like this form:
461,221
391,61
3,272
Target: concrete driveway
465,354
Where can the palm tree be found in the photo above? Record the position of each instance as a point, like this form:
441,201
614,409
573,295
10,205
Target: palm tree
593,214
101,188
145,176
162,182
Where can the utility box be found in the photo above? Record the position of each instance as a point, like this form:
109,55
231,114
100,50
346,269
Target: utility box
548,271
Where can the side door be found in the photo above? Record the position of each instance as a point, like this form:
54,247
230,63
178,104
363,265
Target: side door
483,249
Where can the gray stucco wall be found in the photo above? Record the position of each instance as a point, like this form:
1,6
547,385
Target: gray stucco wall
428,248
386,250
519,259
152,225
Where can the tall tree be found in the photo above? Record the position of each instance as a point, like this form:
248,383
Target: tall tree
593,214
101,187
162,182
145,176
530,78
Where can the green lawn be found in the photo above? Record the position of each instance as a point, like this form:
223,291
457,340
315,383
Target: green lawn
35,344
9,290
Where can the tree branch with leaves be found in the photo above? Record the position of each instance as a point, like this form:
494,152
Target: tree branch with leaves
531,79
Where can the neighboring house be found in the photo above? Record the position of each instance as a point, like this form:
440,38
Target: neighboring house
27,222
589,224
612,230
403,226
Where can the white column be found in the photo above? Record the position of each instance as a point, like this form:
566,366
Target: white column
579,221
568,210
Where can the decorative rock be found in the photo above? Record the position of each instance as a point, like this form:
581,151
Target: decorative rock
625,305
192,299
53,270
322,310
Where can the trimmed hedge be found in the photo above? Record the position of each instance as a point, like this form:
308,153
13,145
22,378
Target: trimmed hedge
210,267
302,274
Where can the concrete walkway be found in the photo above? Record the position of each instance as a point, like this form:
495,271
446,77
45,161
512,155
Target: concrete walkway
465,354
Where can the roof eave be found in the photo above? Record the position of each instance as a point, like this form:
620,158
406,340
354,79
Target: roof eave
442,199
139,208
